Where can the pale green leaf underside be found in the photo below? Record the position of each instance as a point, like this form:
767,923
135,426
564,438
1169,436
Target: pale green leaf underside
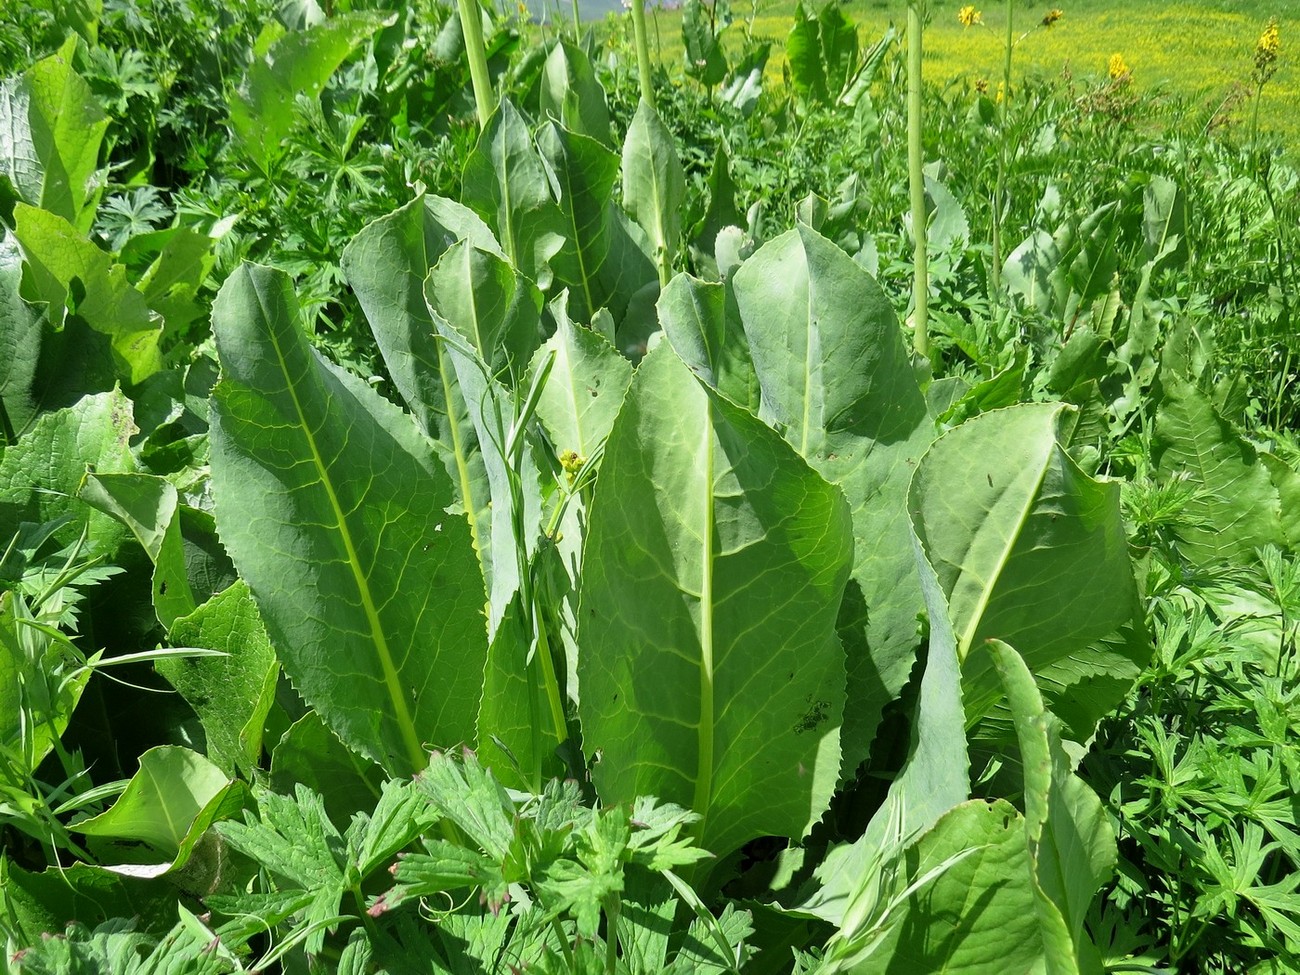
387,265
333,511
654,184
709,670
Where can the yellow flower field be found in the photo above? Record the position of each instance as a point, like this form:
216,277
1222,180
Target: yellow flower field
1197,50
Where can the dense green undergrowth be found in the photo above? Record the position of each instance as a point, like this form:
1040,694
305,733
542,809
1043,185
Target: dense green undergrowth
538,548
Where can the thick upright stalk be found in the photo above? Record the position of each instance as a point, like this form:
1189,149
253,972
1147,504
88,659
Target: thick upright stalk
1001,188
471,26
643,51
916,180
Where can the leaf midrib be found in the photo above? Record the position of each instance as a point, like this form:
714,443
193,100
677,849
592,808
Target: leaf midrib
705,729
415,751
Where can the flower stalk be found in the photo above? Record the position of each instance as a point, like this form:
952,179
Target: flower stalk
471,26
916,182
642,51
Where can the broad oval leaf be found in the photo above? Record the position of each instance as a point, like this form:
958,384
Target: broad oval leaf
334,512
506,184
701,320
231,695
836,380
40,474
585,172
1026,547
569,92
654,185
709,669
977,915
387,265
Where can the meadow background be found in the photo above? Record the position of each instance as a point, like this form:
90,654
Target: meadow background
1196,57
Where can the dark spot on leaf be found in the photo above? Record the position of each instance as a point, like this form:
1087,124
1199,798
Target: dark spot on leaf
814,716
990,479
162,588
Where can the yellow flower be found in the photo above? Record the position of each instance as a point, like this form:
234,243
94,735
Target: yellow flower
572,462
1267,49
1002,92
1118,69
1052,16
969,16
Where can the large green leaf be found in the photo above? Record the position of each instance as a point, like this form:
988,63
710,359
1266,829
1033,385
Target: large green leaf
836,381
78,279
506,184
654,185
585,172
45,902
709,668
333,511
570,94
1026,547
232,695
1236,508
386,265
171,282
1071,842
51,129
311,755
934,780
517,729
822,50
490,303
300,62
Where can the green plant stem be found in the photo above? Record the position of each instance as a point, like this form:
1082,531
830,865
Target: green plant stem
612,910
1001,187
549,679
642,51
577,22
471,25
916,180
